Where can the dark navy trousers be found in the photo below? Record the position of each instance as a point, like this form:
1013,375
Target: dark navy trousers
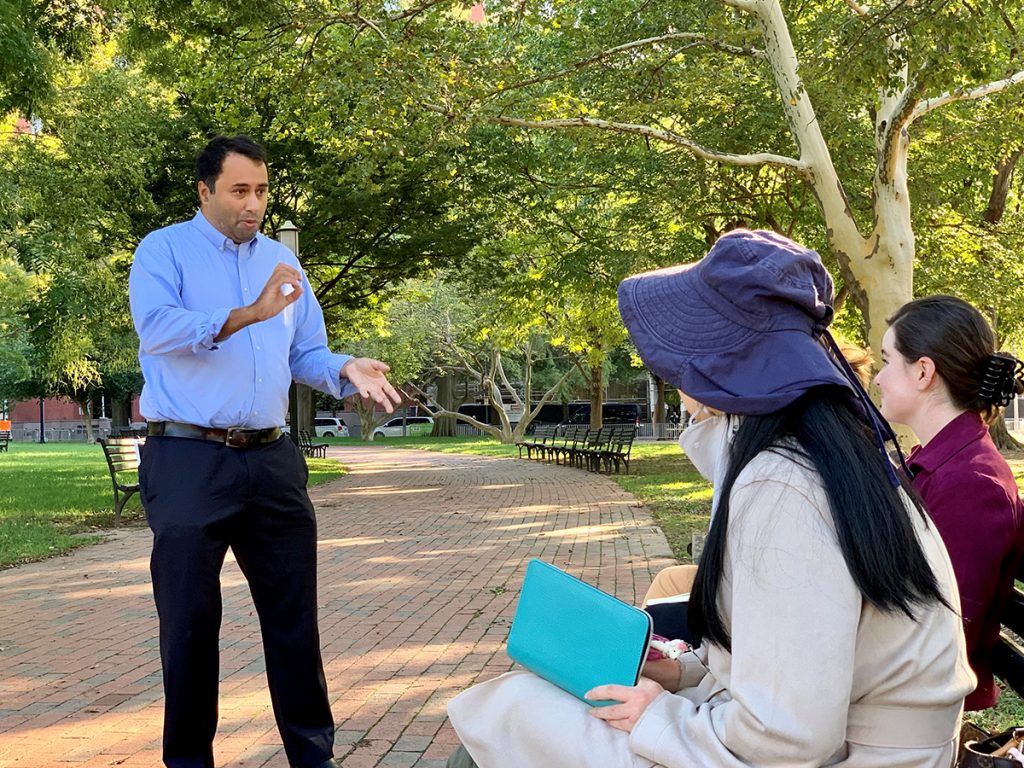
201,498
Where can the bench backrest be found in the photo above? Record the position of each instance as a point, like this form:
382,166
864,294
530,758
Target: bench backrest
622,437
5,434
1008,659
545,433
122,453
598,438
576,435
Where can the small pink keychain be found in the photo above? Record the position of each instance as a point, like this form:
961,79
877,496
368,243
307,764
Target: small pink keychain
663,648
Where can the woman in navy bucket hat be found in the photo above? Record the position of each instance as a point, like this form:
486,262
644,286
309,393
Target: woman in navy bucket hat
738,331
822,602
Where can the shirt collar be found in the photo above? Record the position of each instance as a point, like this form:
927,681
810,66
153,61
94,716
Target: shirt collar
216,237
964,429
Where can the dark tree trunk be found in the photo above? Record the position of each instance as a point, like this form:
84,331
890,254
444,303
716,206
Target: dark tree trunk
444,426
120,412
1001,435
658,416
596,396
1001,187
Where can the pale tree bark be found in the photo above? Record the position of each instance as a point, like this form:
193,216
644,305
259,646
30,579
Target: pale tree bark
877,265
497,388
369,416
85,405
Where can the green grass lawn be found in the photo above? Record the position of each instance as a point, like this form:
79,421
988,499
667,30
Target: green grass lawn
57,496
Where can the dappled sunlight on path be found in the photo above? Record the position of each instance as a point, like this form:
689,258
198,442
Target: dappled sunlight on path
421,556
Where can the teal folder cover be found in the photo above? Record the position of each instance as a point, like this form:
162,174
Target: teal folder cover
574,635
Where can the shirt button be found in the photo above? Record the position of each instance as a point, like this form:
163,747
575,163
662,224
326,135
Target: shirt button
257,349
259,381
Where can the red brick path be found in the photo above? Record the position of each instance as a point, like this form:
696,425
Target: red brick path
421,558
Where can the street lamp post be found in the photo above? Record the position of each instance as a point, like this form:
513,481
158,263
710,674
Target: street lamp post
288,235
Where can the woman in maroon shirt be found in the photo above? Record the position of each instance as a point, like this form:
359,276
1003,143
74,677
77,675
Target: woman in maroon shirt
943,378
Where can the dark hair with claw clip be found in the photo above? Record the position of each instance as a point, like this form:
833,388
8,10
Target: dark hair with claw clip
962,345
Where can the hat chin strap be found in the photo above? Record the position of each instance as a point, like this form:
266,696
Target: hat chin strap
881,428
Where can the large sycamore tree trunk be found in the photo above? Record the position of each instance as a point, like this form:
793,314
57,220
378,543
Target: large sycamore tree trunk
876,265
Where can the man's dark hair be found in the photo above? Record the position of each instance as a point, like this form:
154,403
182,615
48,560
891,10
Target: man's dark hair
210,161
876,536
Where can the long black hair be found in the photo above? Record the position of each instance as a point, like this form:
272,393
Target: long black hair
823,431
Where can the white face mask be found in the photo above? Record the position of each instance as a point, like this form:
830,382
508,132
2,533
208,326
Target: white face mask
706,444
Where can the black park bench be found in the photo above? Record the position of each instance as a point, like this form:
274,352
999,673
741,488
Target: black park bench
5,439
309,448
1008,658
122,454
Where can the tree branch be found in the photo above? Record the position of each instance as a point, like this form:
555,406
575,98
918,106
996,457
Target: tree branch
757,159
750,6
695,38
860,10
416,11
435,409
901,115
969,94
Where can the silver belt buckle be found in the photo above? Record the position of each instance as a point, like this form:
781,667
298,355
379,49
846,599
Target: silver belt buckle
238,437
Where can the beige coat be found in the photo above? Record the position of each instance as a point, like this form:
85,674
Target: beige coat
816,677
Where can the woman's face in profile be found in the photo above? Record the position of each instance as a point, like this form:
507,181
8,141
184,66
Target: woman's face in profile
897,382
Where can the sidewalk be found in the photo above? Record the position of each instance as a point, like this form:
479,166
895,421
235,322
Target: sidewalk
421,556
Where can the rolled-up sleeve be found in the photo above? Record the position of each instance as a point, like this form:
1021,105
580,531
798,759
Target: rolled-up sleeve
164,326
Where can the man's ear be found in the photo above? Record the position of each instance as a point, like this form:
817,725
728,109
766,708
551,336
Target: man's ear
204,192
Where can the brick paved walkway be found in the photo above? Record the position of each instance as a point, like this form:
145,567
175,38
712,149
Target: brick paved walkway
421,557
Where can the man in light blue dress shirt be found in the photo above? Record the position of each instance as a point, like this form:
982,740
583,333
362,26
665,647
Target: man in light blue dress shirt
226,320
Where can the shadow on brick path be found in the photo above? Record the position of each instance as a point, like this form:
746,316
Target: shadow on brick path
420,560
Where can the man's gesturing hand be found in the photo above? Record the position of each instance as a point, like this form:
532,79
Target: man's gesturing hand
368,375
274,297
271,301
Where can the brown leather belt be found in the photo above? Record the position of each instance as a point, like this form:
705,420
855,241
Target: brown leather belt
233,437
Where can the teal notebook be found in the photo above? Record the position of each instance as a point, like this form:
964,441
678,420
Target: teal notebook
574,635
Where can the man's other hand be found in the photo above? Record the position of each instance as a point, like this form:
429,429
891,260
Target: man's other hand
367,375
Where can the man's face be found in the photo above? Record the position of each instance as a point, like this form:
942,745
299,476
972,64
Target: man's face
236,204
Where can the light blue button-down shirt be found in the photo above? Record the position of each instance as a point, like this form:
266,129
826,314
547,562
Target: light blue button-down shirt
184,282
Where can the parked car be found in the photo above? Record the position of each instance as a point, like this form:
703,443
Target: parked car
324,428
330,427
415,426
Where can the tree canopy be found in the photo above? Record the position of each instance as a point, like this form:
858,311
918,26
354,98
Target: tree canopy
534,160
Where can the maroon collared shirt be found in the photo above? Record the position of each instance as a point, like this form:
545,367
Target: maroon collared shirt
971,495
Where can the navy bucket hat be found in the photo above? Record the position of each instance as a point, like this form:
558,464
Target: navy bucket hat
740,330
